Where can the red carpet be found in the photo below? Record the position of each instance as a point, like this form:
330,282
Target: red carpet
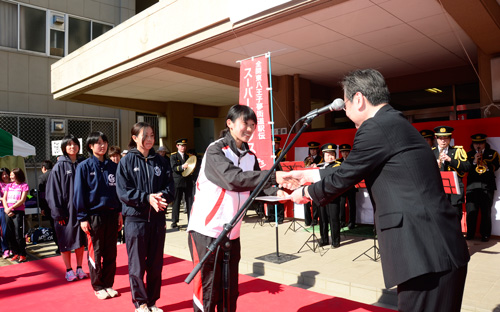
40,286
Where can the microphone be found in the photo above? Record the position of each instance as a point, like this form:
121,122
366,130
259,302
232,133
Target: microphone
336,105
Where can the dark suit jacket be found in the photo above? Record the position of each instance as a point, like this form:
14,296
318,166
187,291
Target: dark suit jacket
417,228
176,163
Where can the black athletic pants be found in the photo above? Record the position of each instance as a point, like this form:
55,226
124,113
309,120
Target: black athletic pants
103,232
145,242
208,283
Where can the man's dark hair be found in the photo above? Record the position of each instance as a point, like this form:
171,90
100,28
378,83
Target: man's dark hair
47,164
369,82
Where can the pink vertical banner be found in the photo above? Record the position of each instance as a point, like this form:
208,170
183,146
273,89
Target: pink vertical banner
254,85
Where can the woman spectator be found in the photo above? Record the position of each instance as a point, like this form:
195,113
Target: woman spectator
13,201
145,186
4,180
99,213
59,195
115,154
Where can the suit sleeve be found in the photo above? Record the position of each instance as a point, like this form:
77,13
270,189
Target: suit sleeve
367,154
222,172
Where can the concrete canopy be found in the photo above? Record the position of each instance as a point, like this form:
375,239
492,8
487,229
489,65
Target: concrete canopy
187,51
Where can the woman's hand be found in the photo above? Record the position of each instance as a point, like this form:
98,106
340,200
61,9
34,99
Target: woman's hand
157,202
85,226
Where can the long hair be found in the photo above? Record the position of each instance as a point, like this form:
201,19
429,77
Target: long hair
136,130
2,170
65,142
237,111
19,175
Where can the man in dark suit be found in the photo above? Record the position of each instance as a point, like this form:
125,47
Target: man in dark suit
421,245
183,185
451,158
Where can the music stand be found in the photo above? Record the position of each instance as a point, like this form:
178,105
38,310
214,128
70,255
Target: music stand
450,182
376,252
315,244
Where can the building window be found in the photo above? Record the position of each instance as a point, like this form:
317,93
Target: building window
32,29
78,33
99,29
8,25
27,28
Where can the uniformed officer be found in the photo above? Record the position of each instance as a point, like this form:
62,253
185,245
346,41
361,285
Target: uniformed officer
277,148
329,214
481,186
349,196
312,160
183,185
428,135
451,158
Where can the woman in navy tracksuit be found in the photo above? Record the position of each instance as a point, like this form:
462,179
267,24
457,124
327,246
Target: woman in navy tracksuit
99,213
145,186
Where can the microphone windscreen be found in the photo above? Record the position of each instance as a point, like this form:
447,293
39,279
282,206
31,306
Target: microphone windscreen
338,104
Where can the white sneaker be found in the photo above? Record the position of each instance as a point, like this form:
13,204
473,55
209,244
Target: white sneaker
155,309
101,294
112,293
142,308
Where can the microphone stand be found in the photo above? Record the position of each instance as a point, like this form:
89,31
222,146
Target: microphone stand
241,212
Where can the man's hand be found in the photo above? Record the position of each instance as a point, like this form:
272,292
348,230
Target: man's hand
85,226
157,202
298,198
293,179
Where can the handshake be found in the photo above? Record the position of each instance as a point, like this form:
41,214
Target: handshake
293,180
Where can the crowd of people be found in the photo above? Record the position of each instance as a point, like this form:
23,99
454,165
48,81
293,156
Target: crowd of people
114,196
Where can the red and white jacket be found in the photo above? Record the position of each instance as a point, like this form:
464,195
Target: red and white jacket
227,176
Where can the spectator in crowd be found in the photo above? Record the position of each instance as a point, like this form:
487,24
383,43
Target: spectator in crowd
162,151
59,195
4,181
99,213
145,186
42,185
428,136
13,201
115,154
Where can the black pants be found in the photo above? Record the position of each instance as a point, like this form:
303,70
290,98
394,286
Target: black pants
188,196
145,242
208,283
329,217
103,232
479,200
441,291
350,198
15,233
307,213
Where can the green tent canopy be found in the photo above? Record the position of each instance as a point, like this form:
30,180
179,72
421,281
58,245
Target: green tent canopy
13,146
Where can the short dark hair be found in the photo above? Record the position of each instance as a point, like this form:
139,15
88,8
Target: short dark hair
47,164
19,175
65,142
237,111
369,82
94,137
114,150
